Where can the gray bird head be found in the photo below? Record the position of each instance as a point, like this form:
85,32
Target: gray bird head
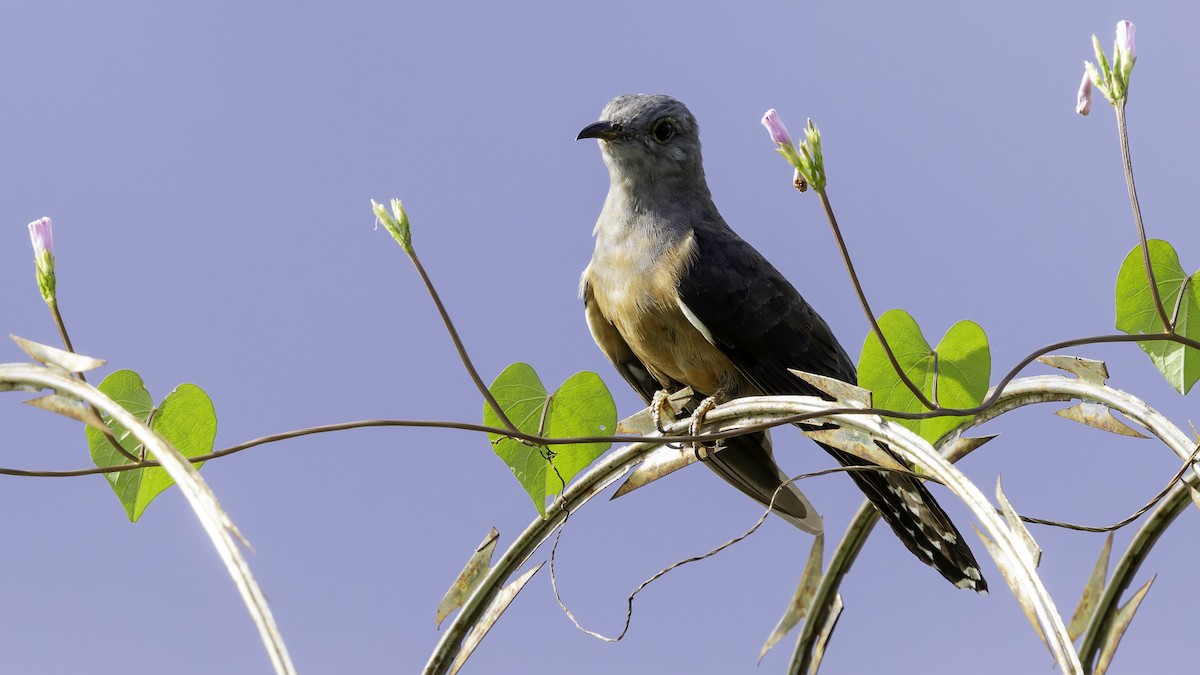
648,136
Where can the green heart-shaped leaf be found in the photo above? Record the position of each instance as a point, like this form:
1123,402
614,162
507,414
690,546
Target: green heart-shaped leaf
185,418
960,369
1136,313
582,406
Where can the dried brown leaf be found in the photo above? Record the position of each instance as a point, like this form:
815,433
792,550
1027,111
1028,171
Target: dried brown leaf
805,590
858,443
844,392
1088,370
503,599
1195,495
660,463
1091,592
958,446
53,356
818,653
1018,526
1099,416
1117,628
1002,562
469,578
69,407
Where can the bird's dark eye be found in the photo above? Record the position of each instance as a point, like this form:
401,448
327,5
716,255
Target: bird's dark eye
663,131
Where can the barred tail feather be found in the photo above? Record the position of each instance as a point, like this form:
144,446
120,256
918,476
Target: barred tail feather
918,520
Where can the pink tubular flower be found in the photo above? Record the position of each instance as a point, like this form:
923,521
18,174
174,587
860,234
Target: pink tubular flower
42,236
1125,38
774,125
41,233
1083,104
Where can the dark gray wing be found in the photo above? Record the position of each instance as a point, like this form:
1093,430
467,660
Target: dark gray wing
746,462
763,325
757,318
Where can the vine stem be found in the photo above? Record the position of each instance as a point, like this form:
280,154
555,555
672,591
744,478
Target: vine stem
66,340
533,439
1127,164
62,329
200,497
1025,582
458,345
866,306
1019,393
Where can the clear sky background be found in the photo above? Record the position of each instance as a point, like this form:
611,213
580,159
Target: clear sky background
209,170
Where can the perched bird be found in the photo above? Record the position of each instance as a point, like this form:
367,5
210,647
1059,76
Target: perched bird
675,298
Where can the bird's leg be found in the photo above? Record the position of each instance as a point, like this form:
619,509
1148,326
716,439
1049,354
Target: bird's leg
658,405
698,421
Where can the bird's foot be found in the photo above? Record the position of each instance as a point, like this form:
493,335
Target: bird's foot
697,422
658,406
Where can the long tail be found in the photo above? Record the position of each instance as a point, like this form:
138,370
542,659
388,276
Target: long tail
748,464
918,520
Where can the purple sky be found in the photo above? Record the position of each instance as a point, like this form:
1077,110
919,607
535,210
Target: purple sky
209,172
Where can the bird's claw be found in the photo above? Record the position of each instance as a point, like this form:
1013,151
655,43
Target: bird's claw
697,422
658,405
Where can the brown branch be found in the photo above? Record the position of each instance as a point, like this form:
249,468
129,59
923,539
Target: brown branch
62,329
1129,519
534,439
1127,163
712,552
66,339
866,307
458,345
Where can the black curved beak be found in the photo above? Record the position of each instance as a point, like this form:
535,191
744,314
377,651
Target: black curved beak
603,130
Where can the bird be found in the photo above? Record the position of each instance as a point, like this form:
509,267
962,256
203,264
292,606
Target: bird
675,298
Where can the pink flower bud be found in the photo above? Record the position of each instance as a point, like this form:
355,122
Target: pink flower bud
41,233
42,236
1125,38
1083,104
774,125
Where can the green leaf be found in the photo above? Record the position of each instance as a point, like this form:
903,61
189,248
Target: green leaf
959,368
522,397
1136,313
185,418
582,406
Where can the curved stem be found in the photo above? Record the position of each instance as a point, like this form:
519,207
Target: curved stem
738,414
866,306
1139,547
200,497
458,345
588,485
988,403
66,340
827,590
62,328
1019,393
1127,163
